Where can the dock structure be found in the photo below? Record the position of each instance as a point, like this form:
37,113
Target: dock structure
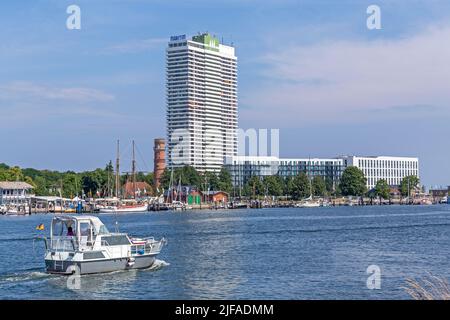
53,204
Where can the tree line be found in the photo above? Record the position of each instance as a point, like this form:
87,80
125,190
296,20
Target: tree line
101,183
352,183
188,176
69,184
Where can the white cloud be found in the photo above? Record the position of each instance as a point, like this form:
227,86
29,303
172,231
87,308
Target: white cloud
136,46
27,102
325,81
21,90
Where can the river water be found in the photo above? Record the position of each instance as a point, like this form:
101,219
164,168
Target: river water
287,253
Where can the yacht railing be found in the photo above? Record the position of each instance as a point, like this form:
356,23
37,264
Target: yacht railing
70,244
150,246
113,251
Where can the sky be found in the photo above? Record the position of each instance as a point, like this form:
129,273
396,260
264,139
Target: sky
311,69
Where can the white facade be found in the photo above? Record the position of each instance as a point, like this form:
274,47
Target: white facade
201,102
391,169
16,192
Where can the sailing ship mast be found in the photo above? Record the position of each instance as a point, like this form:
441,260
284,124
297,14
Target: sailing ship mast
133,172
170,190
310,179
117,171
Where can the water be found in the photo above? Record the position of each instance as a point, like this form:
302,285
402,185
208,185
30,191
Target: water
298,253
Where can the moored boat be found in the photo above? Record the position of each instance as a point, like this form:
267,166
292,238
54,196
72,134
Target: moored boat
178,206
124,208
308,204
15,211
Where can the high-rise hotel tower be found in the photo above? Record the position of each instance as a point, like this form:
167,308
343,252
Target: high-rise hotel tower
201,102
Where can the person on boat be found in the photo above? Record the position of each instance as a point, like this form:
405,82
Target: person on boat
70,232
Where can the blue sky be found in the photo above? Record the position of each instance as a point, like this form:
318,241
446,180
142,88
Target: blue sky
310,68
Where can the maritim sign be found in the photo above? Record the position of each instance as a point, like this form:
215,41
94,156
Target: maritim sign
178,38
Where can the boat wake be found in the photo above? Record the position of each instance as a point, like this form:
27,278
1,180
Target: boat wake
158,264
23,277
29,275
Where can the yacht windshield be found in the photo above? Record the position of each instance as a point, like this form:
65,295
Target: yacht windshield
62,228
103,230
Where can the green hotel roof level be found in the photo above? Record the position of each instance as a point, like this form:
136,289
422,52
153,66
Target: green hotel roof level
207,40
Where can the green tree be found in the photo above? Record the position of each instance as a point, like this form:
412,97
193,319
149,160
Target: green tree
210,181
319,186
11,174
187,174
165,178
372,195
41,186
337,191
30,181
408,184
94,182
329,185
71,185
149,177
288,186
273,185
353,182
300,187
4,174
382,189
254,187
225,182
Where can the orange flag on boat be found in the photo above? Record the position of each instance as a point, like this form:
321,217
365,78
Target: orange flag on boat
40,227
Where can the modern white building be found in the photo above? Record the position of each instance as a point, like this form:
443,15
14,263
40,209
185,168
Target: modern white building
242,168
391,169
201,102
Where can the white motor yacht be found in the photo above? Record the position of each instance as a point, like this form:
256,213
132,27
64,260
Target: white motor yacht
83,245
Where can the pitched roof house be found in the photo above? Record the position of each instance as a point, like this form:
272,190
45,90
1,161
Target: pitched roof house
14,192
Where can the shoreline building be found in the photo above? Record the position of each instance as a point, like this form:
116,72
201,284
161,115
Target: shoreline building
15,192
242,168
392,169
201,102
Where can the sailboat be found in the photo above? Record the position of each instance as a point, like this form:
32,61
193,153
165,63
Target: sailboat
177,204
125,206
309,202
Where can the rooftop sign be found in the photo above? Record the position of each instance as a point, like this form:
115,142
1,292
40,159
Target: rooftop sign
178,38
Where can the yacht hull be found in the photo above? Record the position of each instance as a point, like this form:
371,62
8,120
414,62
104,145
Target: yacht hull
98,266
